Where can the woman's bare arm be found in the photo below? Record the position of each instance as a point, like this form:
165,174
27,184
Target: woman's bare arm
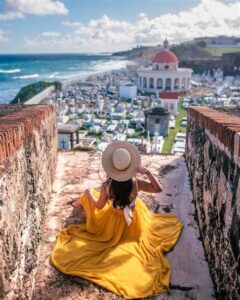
101,201
153,186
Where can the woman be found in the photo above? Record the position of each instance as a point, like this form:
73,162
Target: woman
122,244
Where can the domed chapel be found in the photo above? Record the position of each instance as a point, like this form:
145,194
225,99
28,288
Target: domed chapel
164,74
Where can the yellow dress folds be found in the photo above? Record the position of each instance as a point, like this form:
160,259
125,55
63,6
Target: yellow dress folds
128,260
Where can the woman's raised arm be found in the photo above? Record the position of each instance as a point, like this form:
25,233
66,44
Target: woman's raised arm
153,186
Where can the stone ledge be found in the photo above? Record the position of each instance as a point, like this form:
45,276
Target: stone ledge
28,153
17,122
222,125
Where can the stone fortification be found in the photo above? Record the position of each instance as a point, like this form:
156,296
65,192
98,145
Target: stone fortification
213,160
28,152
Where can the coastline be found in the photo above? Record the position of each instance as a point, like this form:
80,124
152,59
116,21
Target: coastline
99,68
85,77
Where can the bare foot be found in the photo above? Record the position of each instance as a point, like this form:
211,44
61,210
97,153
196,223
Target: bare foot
74,203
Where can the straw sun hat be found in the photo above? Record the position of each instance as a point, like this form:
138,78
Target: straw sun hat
120,160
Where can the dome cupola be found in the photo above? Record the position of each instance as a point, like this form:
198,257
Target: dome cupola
165,59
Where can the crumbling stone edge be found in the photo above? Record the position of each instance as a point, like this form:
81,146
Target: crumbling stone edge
212,158
28,155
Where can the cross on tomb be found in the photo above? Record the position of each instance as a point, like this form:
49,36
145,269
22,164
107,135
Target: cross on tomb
63,142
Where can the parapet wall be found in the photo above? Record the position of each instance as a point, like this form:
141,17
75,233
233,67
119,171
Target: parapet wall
28,153
213,160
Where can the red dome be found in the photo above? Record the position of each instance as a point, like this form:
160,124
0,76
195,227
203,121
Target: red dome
165,56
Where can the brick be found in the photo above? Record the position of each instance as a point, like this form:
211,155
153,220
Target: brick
17,122
220,124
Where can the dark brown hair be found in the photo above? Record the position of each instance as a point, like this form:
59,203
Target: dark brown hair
120,191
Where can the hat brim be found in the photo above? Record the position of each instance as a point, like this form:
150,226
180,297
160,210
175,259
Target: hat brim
108,163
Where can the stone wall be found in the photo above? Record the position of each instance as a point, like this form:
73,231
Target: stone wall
28,153
213,160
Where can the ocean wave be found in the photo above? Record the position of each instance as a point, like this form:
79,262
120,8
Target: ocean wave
10,71
109,65
53,75
27,76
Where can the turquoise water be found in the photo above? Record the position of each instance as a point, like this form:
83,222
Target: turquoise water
17,71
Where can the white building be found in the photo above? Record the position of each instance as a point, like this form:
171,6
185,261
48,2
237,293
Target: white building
164,74
128,91
169,100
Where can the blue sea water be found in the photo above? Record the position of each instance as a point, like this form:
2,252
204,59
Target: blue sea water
18,70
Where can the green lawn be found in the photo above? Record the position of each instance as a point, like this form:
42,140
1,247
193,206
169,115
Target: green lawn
220,51
170,139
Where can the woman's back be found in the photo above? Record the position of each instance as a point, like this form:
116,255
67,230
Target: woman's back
131,194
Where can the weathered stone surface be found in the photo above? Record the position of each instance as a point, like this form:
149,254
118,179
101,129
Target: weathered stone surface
26,175
212,156
75,170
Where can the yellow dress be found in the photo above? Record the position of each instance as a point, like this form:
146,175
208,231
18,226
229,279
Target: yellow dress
127,260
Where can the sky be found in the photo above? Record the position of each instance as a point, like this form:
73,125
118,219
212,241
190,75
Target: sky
96,26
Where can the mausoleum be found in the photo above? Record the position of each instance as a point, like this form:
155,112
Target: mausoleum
164,74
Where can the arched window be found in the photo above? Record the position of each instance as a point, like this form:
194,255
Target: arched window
157,121
176,84
166,67
168,84
184,83
157,67
140,81
151,83
144,82
159,83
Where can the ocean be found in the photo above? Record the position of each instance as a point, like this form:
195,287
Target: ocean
18,70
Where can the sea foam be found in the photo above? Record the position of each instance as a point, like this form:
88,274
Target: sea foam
10,71
27,76
53,75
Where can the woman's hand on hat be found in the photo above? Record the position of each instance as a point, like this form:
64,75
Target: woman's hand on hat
142,170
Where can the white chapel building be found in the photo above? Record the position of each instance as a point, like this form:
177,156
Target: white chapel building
164,74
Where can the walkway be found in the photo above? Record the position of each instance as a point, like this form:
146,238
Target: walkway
77,171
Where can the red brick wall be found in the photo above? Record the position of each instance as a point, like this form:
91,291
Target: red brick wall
28,156
16,126
220,124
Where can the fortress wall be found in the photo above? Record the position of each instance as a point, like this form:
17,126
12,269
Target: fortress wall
213,160
28,153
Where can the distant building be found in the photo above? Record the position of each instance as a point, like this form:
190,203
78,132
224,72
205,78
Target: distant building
169,101
157,120
132,67
217,40
164,74
128,91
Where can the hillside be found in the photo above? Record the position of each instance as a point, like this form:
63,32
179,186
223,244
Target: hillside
183,51
31,90
190,51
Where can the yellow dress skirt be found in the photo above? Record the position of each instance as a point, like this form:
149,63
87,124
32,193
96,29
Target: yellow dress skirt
127,260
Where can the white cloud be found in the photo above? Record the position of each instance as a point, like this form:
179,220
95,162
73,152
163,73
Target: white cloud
18,8
37,7
50,34
3,37
209,17
11,15
71,24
